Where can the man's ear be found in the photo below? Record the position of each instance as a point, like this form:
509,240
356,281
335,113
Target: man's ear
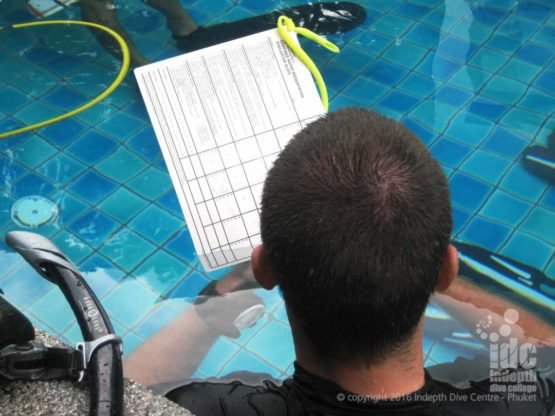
449,268
261,268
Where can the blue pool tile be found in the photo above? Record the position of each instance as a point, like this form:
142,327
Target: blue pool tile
439,19
550,271
246,361
342,101
412,11
452,95
423,34
520,70
93,227
91,147
488,15
69,206
190,287
10,169
518,27
528,250
522,183
130,343
120,125
437,66
488,59
138,109
533,10
365,91
405,54
546,82
487,108
545,35
74,247
503,43
434,114
468,192
92,187
398,101
506,208
486,166
505,142
418,85
486,233
352,57
539,223
170,202
182,246
220,353
151,183
537,101
121,165
140,301
385,73
60,168
504,89
63,64
100,273
122,204
54,309
35,112
156,320
12,100
336,77
534,54
524,122
470,78
274,344
32,184
24,285
41,55
469,128
456,48
97,114
126,249
34,151
449,152
424,133
9,124
392,25
161,271
477,32
65,98
460,218
156,224
548,199
63,132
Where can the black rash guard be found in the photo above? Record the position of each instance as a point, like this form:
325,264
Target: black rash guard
309,395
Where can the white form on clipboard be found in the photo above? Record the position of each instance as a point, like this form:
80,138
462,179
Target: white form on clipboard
221,116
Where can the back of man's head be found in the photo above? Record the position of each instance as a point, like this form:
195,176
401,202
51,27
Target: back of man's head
355,221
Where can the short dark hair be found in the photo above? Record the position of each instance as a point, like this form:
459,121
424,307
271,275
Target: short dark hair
356,219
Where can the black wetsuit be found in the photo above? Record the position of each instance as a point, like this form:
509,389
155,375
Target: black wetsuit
307,394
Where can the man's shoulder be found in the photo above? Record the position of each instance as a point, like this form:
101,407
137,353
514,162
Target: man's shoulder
220,397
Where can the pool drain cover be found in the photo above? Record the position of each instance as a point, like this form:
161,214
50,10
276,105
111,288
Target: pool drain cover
34,211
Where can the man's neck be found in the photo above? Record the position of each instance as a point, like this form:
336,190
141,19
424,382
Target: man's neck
401,373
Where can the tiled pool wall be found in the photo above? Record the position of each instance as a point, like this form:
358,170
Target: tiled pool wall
475,82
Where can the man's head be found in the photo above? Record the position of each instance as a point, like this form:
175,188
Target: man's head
355,223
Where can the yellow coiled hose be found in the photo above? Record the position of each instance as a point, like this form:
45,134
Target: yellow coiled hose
97,99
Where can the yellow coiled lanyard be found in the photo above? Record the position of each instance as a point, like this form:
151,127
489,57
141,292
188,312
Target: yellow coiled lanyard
285,27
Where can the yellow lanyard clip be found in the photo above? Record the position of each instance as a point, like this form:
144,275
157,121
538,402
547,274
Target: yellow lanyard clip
286,25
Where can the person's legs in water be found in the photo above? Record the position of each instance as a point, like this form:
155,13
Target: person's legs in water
104,12
179,22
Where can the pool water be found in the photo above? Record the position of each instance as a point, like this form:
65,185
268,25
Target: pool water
474,80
